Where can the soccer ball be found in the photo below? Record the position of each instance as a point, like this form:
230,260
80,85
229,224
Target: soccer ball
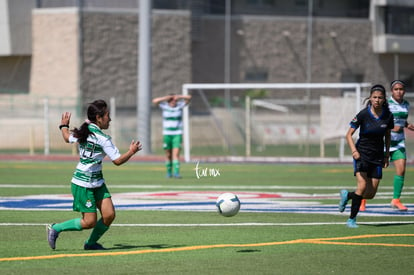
228,204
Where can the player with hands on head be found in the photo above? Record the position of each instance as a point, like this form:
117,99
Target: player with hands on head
88,184
375,122
172,114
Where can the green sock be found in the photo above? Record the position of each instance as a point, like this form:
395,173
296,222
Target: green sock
70,225
97,232
176,165
168,165
398,186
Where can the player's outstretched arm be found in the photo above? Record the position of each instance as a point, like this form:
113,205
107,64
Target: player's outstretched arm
134,147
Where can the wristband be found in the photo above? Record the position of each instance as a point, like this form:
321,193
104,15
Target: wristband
63,126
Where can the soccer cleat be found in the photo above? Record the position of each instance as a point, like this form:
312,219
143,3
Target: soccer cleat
168,176
95,246
351,223
396,204
177,176
363,206
52,235
344,200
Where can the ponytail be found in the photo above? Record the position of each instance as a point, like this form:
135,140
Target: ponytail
96,108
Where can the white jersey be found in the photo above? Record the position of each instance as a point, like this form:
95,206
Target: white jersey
400,112
89,169
172,118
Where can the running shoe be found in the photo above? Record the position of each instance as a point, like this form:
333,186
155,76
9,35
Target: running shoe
344,200
52,235
363,206
351,223
95,246
396,204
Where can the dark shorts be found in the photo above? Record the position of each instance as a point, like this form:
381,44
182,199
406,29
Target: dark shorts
84,199
373,170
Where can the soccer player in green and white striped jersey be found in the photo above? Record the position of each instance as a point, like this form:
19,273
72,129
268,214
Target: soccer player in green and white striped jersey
399,107
172,129
88,185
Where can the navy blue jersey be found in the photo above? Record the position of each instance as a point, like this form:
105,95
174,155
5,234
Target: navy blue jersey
370,144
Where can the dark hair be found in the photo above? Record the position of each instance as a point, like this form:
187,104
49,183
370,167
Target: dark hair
377,88
96,108
172,97
397,82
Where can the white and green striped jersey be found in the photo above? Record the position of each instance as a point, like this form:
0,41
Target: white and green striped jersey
88,172
400,112
172,118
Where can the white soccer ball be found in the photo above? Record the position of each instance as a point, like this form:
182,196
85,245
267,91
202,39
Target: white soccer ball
228,204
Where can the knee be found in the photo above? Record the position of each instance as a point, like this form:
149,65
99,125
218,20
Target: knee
87,224
108,218
112,217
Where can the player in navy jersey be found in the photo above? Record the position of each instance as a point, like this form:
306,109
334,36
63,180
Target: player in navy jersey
375,122
399,108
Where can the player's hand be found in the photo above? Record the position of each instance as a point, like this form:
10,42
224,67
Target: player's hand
135,146
410,127
356,155
65,118
386,162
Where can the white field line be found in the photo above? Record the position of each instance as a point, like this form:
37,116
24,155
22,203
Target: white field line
226,224
192,187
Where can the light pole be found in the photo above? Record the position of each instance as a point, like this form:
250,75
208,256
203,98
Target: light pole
396,50
227,51
144,76
309,71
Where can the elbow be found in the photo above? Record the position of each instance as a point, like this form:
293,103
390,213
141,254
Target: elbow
117,162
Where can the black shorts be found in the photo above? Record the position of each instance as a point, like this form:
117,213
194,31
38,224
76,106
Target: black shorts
373,170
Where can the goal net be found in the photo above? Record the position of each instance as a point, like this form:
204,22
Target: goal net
269,121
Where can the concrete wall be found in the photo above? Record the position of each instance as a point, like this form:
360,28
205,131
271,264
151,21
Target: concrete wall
110,55
278,45
55,58
15,22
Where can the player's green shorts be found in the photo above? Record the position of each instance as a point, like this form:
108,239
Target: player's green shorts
172,141
398,154
84,199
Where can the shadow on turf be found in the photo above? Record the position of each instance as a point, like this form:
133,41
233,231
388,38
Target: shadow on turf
248,250
152,246
386,224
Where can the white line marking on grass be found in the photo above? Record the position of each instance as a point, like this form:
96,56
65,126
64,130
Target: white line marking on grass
192,187
225,224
